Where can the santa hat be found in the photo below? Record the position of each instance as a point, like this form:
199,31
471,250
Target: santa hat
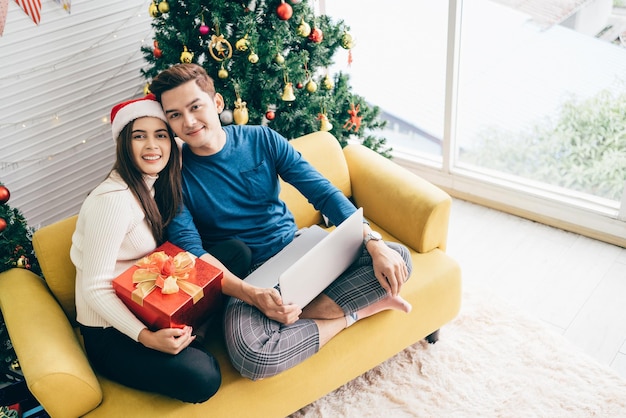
124,113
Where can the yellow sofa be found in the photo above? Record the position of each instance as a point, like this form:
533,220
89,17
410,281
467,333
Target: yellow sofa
40,315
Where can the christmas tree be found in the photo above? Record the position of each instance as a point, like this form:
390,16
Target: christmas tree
270,60
16,250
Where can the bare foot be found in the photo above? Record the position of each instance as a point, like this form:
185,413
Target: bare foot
390,302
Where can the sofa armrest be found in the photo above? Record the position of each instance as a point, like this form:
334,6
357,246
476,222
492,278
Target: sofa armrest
54,364
410,208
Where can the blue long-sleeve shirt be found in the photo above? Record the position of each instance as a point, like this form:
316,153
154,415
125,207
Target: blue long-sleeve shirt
234,194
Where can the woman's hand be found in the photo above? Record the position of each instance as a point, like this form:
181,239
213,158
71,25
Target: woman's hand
167,340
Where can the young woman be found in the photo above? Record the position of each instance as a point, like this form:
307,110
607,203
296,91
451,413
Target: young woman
122,220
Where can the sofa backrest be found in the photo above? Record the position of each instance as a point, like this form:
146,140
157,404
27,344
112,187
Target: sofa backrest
324,152
52,247
52,243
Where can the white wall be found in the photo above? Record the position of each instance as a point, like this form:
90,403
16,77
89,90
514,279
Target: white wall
58,82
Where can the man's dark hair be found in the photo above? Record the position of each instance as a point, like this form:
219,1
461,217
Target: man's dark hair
180,74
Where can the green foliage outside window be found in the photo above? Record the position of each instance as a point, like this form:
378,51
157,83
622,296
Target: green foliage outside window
583,149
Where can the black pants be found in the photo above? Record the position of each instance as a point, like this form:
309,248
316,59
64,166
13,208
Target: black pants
193,375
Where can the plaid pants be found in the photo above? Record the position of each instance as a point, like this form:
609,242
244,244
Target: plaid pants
260,347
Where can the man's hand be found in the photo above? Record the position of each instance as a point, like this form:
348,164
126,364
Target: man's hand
389,267
167,340
267,301
270,303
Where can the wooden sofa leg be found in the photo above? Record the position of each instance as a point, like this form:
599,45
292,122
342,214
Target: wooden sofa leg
432,338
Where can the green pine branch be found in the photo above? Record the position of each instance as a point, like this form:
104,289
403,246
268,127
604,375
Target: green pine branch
16,249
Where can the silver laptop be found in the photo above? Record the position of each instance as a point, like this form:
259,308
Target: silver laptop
312,261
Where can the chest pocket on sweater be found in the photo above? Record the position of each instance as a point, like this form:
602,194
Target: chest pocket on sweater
257,181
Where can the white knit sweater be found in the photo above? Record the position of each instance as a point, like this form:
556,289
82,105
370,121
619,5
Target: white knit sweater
111,234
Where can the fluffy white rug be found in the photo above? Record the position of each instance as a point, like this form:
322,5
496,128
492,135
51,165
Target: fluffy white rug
490,361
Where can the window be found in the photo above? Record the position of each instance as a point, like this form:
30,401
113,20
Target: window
399,64
542,97
515,108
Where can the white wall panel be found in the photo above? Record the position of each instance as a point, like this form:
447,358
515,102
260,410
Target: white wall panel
58,82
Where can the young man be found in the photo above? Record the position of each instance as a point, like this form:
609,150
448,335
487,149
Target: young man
230,189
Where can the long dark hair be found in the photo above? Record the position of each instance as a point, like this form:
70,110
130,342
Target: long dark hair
168,194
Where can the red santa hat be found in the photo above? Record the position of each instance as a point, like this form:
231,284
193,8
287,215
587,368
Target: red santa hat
124,113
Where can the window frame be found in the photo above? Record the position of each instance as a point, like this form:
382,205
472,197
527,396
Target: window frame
582,214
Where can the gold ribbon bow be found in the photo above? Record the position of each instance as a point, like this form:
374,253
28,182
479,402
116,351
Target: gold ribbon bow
159,270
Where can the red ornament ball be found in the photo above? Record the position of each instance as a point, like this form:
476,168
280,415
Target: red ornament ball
270,115
316,35
204,29
284,11
3,225
5,195
299,85
157,52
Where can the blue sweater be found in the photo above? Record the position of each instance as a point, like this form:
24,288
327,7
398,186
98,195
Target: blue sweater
234,194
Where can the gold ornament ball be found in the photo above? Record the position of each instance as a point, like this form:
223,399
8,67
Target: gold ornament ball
164,7
253,58
279,59
153,10
186,56
304,29
222,73
311,86
240,114
328,83
242,44
346,41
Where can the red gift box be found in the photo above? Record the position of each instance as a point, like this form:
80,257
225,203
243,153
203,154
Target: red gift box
170,288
